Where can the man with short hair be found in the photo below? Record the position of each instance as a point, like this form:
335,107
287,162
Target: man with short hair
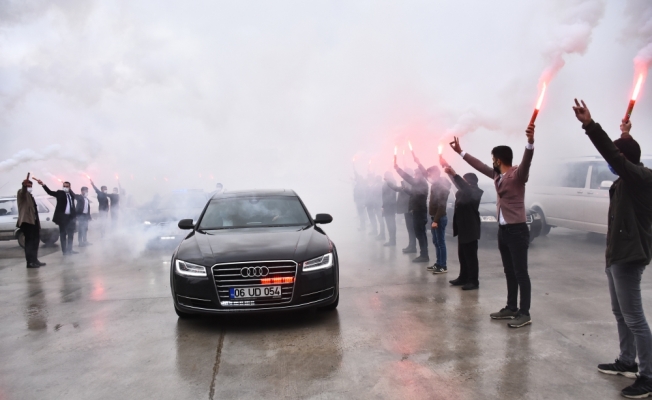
115,203
439,191
418,192
513,233
29,223
83,216
103,206
629,250
64,215
403,207
466,226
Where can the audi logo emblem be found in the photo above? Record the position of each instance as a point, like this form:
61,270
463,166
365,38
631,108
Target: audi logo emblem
254,272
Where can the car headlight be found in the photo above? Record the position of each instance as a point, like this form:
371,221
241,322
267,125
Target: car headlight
323,262
487,218
188,269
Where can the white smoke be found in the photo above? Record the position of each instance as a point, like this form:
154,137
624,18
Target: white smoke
471,121
639,28
52,152
572,35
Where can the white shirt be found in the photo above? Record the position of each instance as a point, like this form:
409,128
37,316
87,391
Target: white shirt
68,203
501,219
85,210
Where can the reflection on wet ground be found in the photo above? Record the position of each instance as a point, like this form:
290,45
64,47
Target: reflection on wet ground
101,325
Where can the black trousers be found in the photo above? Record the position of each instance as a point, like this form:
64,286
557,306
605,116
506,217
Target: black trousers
513,243
409,224
420,221
66,233
82,228
32,237
371,212
468,255
390,221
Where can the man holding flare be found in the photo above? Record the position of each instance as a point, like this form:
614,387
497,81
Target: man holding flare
629,249
513,233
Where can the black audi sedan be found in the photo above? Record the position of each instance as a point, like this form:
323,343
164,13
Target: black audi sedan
254,251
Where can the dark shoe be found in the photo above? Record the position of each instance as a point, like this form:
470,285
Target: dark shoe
73,252
641,389
40,264
519,321
409,250
432,267
32,265
470,286
421,259
439,270
390,244
619,368
505,313
456,282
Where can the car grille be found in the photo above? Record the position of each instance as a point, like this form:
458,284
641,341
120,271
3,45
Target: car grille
228,276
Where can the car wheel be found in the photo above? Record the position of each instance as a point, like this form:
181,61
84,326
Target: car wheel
545,228
183,315
332,306
21,239
51,239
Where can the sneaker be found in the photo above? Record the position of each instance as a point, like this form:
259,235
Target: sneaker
409,250
641,389
519,321
439,270
421,259
432,267
619,368
505,313
470,286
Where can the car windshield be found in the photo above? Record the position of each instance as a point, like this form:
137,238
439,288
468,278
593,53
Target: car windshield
8,207
179,201
250,212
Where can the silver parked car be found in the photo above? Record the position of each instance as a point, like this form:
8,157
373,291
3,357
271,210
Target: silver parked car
9,216
574,194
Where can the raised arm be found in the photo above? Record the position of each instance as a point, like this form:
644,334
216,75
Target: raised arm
48,191
98,191
479,166
406,177
628,171
523,170
394,187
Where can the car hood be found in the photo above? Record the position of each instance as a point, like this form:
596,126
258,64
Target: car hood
254,244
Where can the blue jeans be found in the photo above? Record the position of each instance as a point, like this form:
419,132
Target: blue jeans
439,240
627,306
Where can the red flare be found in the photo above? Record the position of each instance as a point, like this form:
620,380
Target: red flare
637,90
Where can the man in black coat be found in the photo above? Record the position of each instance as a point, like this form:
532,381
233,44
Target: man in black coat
103,202
83,216
64,215
389,208
466,226
403,207
419,207
629,250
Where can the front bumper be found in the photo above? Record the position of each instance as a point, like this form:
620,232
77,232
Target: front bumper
206,295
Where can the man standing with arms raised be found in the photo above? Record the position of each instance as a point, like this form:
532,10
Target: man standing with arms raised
29,223
513,234
418,192
64,215
629,250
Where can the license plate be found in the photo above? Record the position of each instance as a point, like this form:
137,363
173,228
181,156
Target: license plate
255,292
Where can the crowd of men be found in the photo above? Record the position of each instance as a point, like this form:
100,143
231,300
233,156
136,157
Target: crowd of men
72,214
424,192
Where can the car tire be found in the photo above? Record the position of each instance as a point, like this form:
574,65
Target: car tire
333,305
183,315
51,239
545,228
21,239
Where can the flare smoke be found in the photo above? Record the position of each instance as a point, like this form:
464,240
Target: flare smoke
639,28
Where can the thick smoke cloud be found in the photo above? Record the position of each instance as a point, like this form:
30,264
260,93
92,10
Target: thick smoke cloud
639,29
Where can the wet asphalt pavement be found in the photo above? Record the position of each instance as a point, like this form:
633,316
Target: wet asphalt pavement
101,325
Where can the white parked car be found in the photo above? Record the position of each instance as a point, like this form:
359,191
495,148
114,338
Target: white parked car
574,194
9,216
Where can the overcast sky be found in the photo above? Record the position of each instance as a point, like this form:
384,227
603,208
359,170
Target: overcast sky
285,93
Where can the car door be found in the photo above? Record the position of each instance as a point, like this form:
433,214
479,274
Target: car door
564,203
597,202
8,218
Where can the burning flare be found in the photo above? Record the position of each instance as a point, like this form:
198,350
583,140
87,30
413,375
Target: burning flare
539,102
440,148
410,145
637,90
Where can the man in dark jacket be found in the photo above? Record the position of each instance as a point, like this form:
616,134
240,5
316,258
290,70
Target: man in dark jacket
29,223
103,201
389,208
83,216
419,207
629,250
64,215
403,207
466,226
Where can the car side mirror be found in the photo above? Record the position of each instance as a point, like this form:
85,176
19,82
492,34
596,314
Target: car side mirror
606,184
186,224
323,219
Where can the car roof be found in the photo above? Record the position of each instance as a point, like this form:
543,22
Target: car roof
256,193
593,158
